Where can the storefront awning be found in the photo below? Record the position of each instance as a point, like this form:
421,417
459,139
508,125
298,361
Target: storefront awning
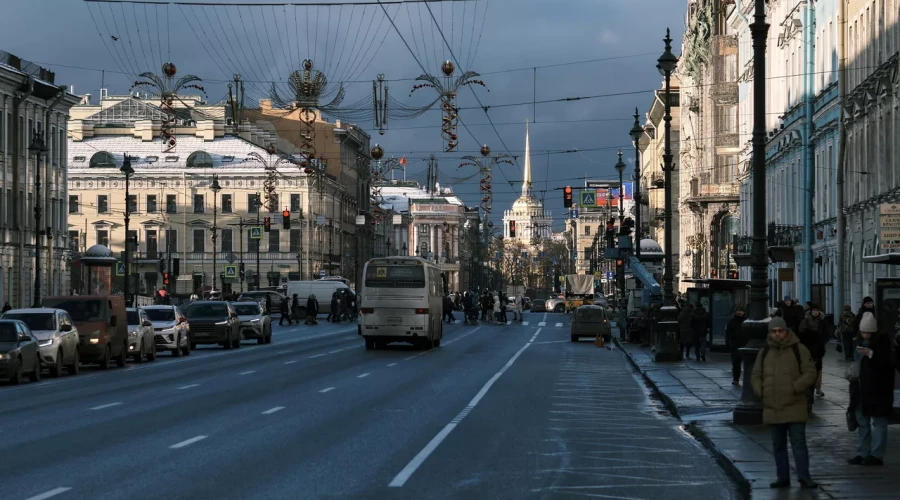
892,259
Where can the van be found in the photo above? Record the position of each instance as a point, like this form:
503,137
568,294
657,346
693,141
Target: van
323,289
102,326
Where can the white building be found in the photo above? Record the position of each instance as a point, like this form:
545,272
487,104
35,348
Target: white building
527,218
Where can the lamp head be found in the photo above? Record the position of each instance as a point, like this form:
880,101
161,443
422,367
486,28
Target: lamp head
667,61
620,165
126,166
215,187
636,130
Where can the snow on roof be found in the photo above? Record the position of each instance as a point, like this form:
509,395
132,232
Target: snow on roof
397,198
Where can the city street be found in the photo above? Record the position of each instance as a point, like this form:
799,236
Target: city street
512,411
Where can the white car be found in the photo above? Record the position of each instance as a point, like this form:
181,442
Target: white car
56,334
140,335
171,329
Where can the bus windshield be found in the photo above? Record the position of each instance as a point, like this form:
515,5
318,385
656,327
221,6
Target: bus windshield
395,276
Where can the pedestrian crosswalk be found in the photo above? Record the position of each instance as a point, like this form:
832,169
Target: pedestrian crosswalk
541,324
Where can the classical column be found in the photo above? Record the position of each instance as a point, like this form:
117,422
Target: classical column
415,246
439,248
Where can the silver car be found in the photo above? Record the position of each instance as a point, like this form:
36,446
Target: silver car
140,335
255,321
170,328
56,334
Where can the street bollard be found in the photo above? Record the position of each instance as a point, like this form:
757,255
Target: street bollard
599,340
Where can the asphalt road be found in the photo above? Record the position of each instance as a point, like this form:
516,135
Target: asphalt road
496,412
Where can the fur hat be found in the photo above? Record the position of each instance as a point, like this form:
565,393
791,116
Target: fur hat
868,323
777,322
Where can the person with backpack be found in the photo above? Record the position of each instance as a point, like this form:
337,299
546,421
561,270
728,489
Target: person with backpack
872,398
783,371
735,339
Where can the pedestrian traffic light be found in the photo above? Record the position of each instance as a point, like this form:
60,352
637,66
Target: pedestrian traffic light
166,279
286,219
512,229
267,224
567,197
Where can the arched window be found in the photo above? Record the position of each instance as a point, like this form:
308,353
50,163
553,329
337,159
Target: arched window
103,159
199,159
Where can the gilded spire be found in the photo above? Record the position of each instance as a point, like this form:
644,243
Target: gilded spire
526,182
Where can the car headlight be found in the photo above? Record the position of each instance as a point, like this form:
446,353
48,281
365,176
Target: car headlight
4,356
44,343
254,320
132,335
222,322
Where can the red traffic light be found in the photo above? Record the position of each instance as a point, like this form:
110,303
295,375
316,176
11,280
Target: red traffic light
286,213
567,197
620,262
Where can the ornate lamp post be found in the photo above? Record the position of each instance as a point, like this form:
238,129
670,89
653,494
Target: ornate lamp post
127,170
668,350
620,167
636,133
38,148
215,188
755,328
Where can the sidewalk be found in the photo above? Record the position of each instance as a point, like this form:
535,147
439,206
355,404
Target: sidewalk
701,395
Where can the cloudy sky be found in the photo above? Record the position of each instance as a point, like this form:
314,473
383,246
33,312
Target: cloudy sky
522,48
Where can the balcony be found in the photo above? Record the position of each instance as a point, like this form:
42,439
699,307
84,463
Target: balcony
725,94
742,247
781,240
710,193
659,213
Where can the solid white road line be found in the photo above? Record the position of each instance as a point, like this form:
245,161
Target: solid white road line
47,494
273,410
432,445
248,372
364,375
327,389
393,364
187,442
188,386
110,405
290,362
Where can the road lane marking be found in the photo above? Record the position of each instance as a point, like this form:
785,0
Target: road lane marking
552,341
542,323
273,410
364,375
187,442
318,355
248,372
110,405
558,325
290,362
286,351
393,364
327,389
524,323
334,351
410,357
417,461
47,494
188,386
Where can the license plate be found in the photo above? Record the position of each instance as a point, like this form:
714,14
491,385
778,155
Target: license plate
394,321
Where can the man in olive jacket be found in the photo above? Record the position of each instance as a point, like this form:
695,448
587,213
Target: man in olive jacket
783,371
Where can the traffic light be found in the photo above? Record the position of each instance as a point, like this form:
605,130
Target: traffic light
611,233
286,219
267,224
567,197
715,274
627,226
733,275
166,279
512,229
620,273
161,265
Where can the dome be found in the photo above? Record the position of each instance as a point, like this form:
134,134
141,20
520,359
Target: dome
98,251
650,246
524,203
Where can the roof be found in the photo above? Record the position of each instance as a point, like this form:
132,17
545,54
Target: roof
34,310
398,198
130,110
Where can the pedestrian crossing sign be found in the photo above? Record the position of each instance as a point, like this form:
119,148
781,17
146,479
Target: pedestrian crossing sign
256,232
588,198
231,271
381,272
120,269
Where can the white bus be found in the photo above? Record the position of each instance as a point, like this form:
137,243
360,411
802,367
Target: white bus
400,300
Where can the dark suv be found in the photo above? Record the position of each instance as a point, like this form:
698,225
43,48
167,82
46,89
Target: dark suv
213,322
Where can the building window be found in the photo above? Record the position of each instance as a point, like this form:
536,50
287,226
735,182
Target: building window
587,253
726,168
152,244
226,204
252,203
131,238
226,240
103,159
199,206
274,240
252,244
295,241
102,204
74,240
171,240
151,203
103,237
295,203
423,229
73,204
199,159
199,240
587,230
171,204
132,203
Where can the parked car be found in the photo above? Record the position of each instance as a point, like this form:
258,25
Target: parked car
18,352
140,335
589,321
56,334
255,321
260,296
102,326
171,330
213,322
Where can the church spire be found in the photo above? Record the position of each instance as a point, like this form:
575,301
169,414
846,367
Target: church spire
526,181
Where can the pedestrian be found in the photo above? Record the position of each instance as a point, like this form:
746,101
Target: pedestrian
700,323
312,309
285,313
520,307
504,303
448,309
496,305
814,335
847,329
6,307
735,339
334,314
868,305
783,371
268,303
295,308
874,391
685,333
791,312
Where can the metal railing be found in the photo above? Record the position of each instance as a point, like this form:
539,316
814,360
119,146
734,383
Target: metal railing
742,244
782,235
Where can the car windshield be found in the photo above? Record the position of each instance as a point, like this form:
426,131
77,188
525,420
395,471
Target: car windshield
160,314
82,311
202,310
590,316
8,332
35,321
133,317
246,309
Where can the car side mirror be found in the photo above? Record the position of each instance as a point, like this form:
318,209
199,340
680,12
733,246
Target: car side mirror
24,337
113,320
147,323
65,328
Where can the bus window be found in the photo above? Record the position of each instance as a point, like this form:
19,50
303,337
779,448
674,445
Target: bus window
395,276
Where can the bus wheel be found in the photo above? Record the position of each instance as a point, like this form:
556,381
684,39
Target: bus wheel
370,343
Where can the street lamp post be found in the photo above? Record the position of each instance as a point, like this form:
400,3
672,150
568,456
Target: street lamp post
636,132
755,328
127,170
38,148
215,188
668,350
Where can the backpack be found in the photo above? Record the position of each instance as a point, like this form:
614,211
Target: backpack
794,347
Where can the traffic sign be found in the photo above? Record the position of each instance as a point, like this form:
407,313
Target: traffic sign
573,214
230,258
231,271
256,232
120,269
322,273
889,227
609,275
588,198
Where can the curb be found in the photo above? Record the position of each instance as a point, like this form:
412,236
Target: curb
743,484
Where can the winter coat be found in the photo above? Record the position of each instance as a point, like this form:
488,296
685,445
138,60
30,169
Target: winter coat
876,379
780,383
733,334
792,315
814,335
847,323
312,307
700,322
859,314
685,333
496,304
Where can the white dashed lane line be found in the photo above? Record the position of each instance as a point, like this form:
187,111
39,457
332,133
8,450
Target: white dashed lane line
48,494
248,372
188,386
364,375
273,410
290,362
188,442
327,389
392,364
110,405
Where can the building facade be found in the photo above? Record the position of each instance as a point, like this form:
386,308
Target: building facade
30,102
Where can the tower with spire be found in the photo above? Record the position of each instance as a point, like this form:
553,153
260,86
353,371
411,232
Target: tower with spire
532,223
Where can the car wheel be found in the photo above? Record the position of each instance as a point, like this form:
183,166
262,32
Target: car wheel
574,338
186,350
57,368
176,353
35,375
139,356
123,356
229,344
370,343
559,308
437,343
76,364
105,360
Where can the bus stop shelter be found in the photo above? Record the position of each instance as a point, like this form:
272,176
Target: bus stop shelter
719,297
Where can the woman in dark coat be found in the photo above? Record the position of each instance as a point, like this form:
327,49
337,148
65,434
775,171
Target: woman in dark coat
874,399
312,309
700,322
685,333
